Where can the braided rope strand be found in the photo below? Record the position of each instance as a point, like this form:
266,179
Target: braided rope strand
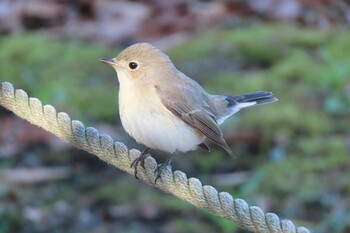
116,153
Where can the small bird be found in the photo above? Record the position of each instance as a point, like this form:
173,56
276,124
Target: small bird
163,109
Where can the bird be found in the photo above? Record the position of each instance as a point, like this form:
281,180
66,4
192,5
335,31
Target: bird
163,109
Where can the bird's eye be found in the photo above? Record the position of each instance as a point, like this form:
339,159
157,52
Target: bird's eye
133,65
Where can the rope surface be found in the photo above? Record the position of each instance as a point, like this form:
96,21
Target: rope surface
116,153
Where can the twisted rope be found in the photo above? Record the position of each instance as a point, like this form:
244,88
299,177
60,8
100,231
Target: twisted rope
116,153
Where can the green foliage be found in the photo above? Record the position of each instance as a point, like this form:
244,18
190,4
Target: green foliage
9,220
201,47
224,225
191,226
206,161
126,193
67,75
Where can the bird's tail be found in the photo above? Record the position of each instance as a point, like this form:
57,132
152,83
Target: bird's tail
247,100
229,105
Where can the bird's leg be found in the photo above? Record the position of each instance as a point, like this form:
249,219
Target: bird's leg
141,159
161,167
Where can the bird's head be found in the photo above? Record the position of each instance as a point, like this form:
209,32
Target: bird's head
141,63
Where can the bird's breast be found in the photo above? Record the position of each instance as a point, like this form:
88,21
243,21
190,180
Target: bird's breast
146,119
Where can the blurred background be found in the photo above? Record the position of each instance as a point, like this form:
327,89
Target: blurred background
292,156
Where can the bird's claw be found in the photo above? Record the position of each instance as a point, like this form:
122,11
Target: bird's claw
136,162
160,168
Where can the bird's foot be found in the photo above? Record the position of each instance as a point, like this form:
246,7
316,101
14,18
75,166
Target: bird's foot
160,168
139,159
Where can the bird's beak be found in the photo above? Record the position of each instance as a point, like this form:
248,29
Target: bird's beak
109,61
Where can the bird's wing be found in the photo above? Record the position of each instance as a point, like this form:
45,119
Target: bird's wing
192,107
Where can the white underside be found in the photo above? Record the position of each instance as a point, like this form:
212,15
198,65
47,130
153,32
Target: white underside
145,118
233,110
